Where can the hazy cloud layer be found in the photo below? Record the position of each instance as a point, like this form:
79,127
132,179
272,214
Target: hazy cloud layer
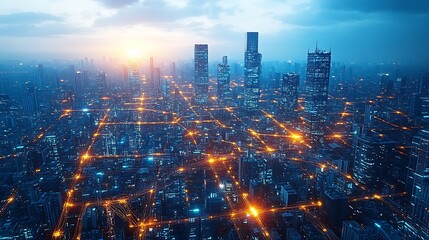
116,3
32,24
159,13
27,18
406,6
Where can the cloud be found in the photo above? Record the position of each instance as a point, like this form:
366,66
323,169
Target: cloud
44,30
28,18
116,3
324,18
34,24
157,13
408,6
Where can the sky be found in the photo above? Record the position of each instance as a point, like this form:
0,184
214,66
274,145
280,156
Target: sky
355,31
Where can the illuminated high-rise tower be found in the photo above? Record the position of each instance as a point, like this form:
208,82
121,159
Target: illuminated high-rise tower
316,94
371,163
417,181
289,91
252,71
201,80
223,82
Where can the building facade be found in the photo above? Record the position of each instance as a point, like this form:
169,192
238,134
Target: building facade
223,82
316,94
289,93
252,72
201,77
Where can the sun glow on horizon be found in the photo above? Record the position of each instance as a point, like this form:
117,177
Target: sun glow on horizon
134,53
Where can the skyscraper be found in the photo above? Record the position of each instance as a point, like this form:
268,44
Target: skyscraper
353,231
157,85
402,86
151,73
101,84
40,76
201,78
173,71
334,208
101,89
252,71
373,160
223,82
30,100
417,181
420,101
386,85
316,94
52,205
78,83
134,78
289,91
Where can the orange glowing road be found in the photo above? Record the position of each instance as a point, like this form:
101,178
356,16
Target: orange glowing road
78,230
220,164
236,223
392,124
84,159
378,197
7,202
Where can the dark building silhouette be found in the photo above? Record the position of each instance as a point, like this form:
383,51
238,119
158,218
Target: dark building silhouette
334,208
385,231
52,206
353,231
79,84
386,85
30,100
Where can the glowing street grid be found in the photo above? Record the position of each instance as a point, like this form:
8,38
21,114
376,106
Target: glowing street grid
182,154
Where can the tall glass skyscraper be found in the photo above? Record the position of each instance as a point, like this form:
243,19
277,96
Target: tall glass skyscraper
252,71
201,80
289,91
316,94
223,82
418,175
371,166
101,84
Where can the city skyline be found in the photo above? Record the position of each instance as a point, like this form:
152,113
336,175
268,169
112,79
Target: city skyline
110,150
390,31
156,119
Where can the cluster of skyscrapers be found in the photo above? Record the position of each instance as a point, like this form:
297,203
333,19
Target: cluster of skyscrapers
315,85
